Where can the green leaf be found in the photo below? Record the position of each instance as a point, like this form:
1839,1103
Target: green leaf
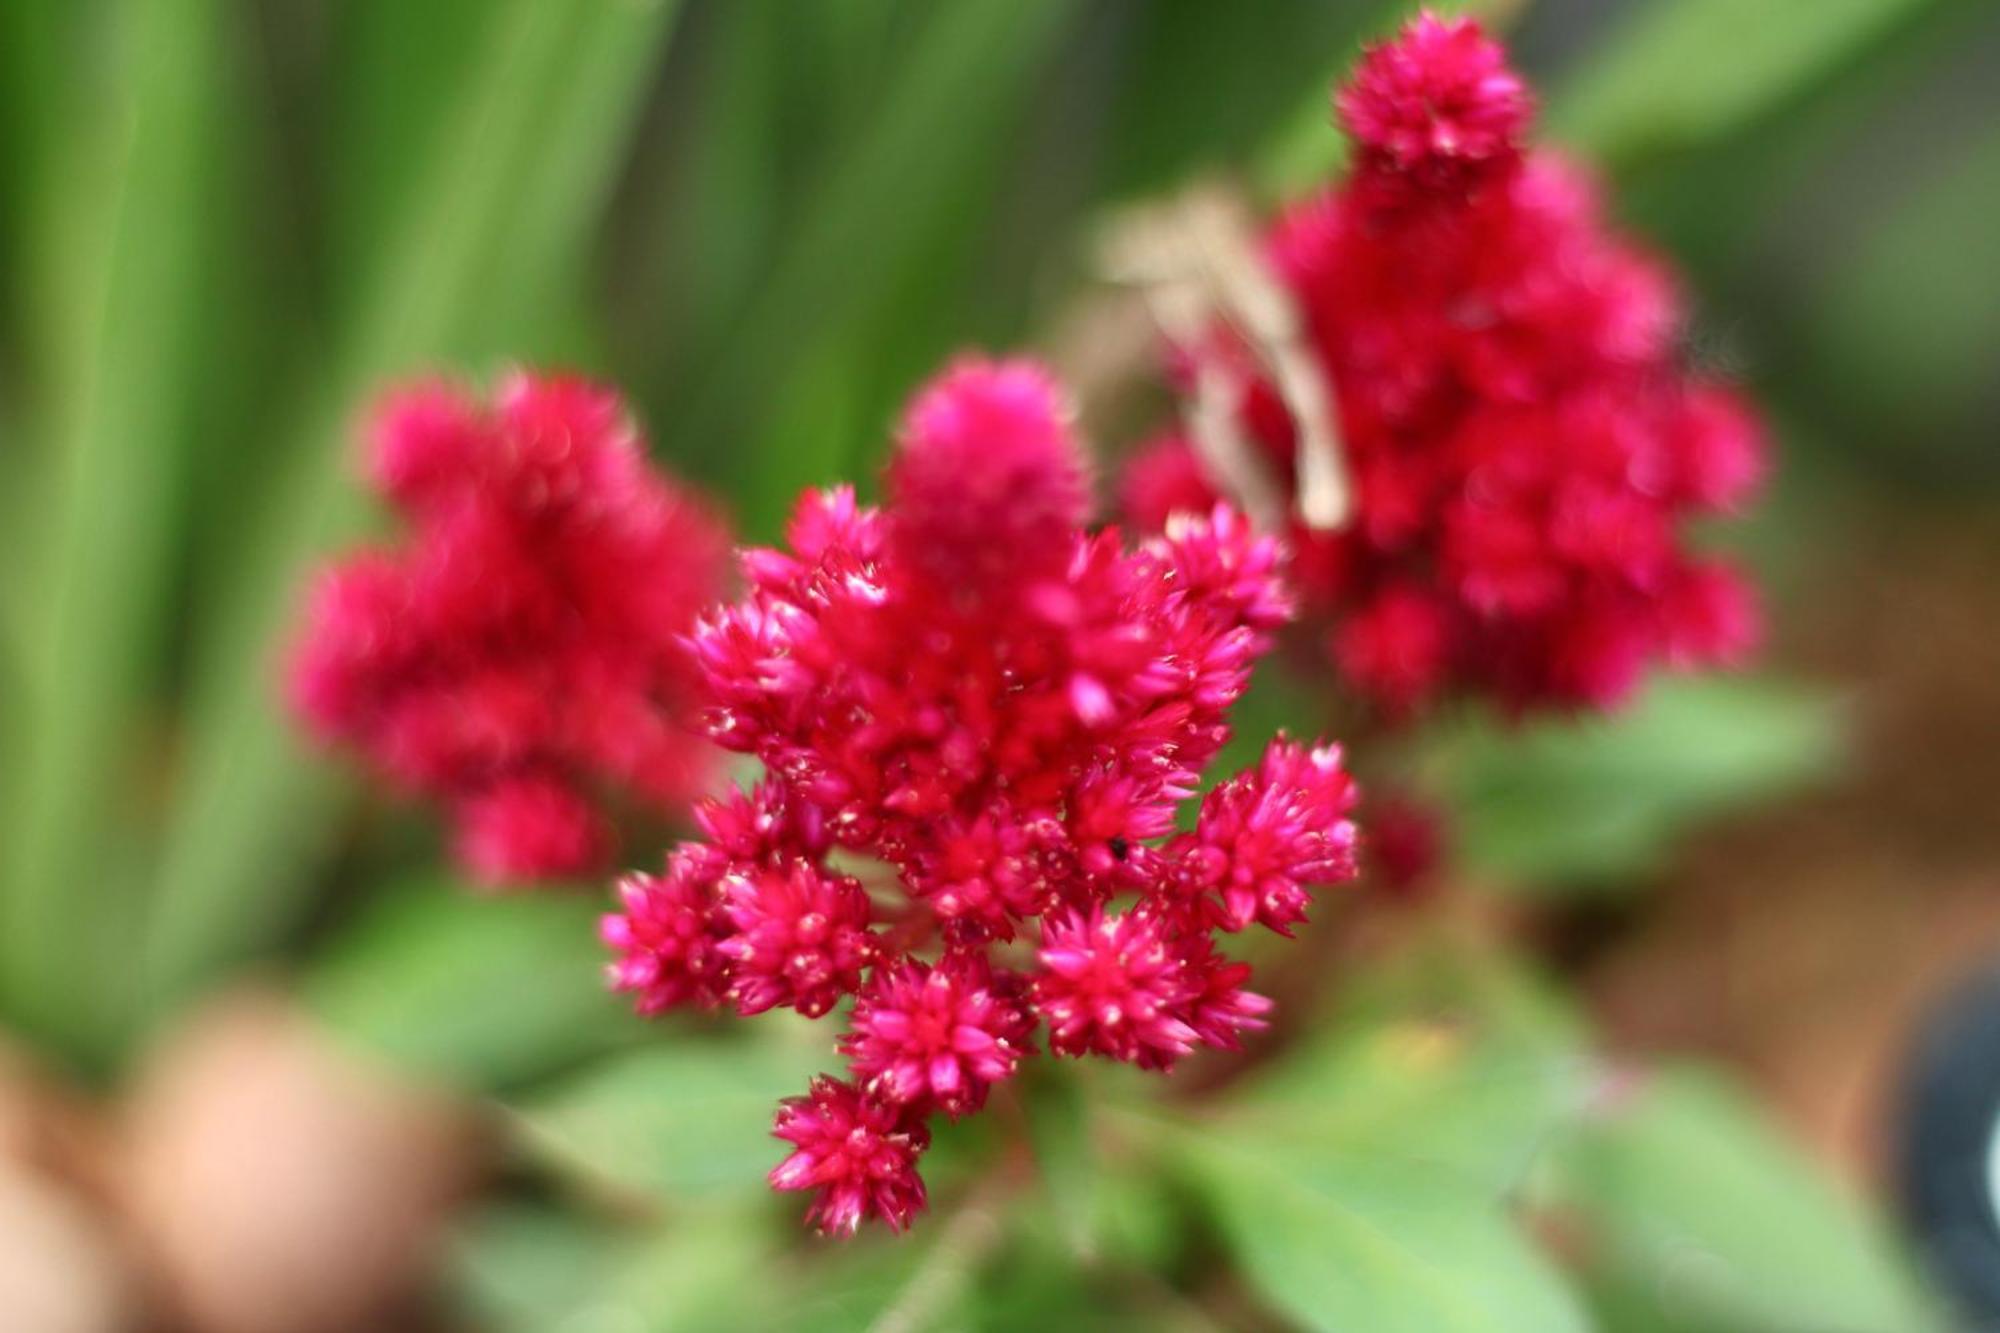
1391,1247
121,394
1687,1193
1894,317
519,1267
480,990
966,68
1687,71
1066,1160
1441,1094
1583,801
523,1269
506,204
687,1119
1450,1058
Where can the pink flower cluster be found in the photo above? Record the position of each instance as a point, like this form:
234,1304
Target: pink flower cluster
518,656
1524,443
977,720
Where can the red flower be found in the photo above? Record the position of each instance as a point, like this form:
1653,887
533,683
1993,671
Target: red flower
1116,986
1219,1009
992,715
940,1035
987,484
799,936
517,657
1438,104
666,936
525,826
1266,836
1526,448
857,1152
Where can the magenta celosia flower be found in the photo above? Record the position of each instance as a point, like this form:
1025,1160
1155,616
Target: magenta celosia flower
924,1035
989,715
1438,105
859,1153
987,484
517,657
1116,985
666,932
1407,839
798,935
1266,836
1219,1009
1525,445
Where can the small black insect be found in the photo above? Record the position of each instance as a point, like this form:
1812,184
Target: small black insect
1120,848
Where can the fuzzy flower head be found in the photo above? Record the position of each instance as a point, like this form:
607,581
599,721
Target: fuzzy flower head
516,657
977,719
1527,449
855,1152
939,1035
987,483
1437,104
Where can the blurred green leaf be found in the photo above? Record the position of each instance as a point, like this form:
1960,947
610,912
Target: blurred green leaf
1685,71
1343,1243
1253,64
524,1269
1687,1194
1584,801
1901,315
481,990
687,1118
965,68
1449,1057
121,394
518,1267
1066,1159
505,205
1447,1095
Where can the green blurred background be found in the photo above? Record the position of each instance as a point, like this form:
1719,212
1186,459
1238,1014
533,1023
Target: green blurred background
223,223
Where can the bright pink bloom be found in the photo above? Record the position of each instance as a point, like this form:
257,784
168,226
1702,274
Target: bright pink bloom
1437,105
942,1035
517,657
992,715
987,484
665,939
1407,840
798,936
1219,1009
525,826
1117,986
1526,446
1267,836
856,1151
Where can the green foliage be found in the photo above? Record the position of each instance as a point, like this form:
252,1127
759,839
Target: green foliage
525,1269
105,519
503,204
1597,801
1363,1182
1686,71
477,990
1344,1244
682,1119
1692,1199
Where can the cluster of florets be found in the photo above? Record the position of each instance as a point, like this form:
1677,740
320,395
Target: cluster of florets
977,720
1522,438
518,656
